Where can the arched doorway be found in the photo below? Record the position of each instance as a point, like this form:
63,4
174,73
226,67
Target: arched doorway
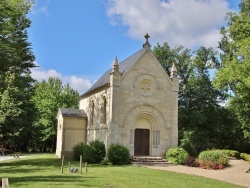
142,125
144,129
142,142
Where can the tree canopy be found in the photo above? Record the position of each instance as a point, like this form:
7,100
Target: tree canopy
49,97
201,124
16,59
233,75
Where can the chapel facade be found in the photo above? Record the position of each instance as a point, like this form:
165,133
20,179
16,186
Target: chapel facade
134,104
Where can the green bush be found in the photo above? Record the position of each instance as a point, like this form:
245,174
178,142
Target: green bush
105,162
77,151
214,159
93,153
245,156
99,151
87,154
118,155
231,153
176,155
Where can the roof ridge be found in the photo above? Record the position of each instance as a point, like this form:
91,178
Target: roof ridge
123,67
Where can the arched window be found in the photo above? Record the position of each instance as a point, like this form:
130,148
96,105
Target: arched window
92,110
104,112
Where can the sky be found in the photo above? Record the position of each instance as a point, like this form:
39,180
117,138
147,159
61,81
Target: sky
77,40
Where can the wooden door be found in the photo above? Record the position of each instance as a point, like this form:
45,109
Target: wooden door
141,143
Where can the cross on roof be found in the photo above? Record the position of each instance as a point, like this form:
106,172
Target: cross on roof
146,37
146,43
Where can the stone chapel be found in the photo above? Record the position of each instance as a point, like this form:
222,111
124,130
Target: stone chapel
134,104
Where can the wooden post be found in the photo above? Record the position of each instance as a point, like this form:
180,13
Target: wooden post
86,167
62,163
5,183
69,166
81,164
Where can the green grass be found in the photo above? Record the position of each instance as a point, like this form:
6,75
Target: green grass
44,171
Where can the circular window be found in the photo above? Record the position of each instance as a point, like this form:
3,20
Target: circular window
145,87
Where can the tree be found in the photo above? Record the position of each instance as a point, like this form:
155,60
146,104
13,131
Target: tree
16,59
49,97
200,122
233,74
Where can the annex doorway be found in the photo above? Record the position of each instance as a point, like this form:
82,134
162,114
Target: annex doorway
141,142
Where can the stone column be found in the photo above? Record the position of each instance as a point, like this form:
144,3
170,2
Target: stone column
115,78
175,90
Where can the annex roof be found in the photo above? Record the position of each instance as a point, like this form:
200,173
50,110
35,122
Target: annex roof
69,112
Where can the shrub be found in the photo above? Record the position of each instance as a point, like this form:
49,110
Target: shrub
92,153
231,153
245,156
77,151
212,159
210,165
176,155
87,154
118,155
105,162
191,161
98,151
212,155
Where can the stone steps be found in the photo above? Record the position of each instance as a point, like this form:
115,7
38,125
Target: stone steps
149,160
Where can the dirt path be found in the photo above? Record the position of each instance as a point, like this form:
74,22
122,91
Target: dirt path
7,157
235,173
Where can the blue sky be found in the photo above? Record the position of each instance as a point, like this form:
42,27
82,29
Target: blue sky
77,40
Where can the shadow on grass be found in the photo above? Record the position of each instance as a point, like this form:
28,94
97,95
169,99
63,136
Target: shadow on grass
29,165
13,170
51,180
34,165
54,162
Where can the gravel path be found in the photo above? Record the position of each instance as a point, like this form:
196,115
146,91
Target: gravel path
7,157
235,173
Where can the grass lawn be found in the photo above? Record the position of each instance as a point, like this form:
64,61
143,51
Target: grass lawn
44,170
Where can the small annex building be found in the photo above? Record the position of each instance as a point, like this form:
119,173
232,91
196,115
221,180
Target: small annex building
134,104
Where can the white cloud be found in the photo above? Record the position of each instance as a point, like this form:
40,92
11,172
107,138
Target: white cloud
189,23
40,74
76,82
41,6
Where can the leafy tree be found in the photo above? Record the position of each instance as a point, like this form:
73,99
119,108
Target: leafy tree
49,97
200,122
16,59
233,74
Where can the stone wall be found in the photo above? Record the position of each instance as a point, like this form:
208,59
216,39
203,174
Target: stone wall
97,126
70,131
146,96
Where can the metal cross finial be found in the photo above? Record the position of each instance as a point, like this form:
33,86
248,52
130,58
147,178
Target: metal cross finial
146,37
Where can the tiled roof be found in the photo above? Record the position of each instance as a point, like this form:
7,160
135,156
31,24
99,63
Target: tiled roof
124,66
69,112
